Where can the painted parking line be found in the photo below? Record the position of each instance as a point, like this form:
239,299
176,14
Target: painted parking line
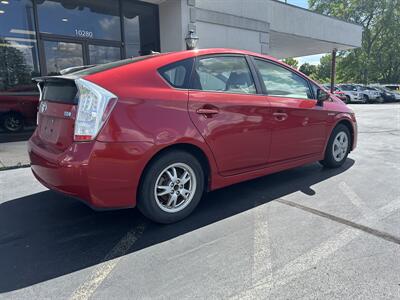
311,258
100,273
261,272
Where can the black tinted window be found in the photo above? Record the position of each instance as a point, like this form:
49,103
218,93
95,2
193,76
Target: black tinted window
177,74
223,73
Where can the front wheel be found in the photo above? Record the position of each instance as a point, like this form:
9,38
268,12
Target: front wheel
171,188
338,147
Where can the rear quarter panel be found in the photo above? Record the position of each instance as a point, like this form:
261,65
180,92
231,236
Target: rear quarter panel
148,111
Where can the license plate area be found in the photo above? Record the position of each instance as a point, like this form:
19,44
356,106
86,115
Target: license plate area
50,129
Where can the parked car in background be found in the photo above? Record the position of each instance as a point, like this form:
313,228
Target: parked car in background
392,87
160,130
370,94
338,93
352,95
387,94
18,108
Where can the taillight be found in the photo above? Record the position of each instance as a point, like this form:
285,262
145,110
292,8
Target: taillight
40,103
94,106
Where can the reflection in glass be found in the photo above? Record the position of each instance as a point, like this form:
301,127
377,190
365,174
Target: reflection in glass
103,54
18,52
282,82
87,19
141,33
61,55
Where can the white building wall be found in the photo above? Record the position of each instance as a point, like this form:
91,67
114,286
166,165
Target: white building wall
265,26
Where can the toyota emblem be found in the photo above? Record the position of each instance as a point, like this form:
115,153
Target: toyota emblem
43,107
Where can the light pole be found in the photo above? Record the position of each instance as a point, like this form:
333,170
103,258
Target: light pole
191,40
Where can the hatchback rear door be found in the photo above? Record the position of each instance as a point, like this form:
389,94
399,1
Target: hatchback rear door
57,112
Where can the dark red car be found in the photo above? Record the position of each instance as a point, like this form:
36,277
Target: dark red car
18,108
158,131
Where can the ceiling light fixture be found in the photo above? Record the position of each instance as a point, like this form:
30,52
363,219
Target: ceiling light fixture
64,20
4,2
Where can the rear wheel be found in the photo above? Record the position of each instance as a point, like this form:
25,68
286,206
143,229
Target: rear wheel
171,187
338,147
12,122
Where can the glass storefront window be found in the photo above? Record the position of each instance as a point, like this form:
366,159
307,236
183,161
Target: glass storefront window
18,49
87,19
140,27
103,54
62,55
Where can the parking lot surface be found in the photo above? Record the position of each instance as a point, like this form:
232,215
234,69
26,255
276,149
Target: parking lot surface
309,233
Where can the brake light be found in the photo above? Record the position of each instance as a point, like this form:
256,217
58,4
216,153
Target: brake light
94,106
40,103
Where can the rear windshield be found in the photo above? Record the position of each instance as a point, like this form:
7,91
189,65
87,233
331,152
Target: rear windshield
63,91
114,64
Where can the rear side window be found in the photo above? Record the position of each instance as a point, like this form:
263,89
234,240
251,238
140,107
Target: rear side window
178,73
281,82
223,74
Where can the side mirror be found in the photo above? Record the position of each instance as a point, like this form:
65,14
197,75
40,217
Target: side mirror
322,96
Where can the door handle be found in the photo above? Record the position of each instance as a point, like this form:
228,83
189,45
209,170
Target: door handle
280,116
207,111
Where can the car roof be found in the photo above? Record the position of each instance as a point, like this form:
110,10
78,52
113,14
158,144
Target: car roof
209,51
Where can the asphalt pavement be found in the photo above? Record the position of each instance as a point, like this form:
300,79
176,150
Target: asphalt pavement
308,233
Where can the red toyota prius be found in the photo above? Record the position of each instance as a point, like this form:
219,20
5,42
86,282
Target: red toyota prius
158,131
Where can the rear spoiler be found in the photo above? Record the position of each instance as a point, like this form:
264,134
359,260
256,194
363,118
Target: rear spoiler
65,74
54,78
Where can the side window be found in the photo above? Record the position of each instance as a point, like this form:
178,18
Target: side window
282,82
177,74
223,74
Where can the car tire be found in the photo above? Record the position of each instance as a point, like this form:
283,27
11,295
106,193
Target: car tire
348,100
167,196
12,122
366,99
338,147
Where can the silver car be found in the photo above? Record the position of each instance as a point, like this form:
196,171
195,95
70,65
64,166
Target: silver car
352,94
370,94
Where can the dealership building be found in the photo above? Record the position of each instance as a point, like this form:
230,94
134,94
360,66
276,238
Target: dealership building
41,37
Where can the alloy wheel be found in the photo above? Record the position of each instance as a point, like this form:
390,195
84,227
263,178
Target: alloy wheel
12,123
340,146
175,187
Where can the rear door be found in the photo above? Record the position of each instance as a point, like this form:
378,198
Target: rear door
228,112
298,121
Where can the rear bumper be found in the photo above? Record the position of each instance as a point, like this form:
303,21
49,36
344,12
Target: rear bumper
103,175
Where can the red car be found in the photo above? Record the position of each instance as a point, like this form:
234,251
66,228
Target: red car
160,130
18,107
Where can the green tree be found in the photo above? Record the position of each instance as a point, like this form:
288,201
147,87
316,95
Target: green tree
13,67
378,59
308,69
291,62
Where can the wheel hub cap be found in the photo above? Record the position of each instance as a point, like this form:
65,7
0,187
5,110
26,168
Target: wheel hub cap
340,146
175,187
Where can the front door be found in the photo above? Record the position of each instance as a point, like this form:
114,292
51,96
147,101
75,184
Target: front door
230,115
298,121
61,53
